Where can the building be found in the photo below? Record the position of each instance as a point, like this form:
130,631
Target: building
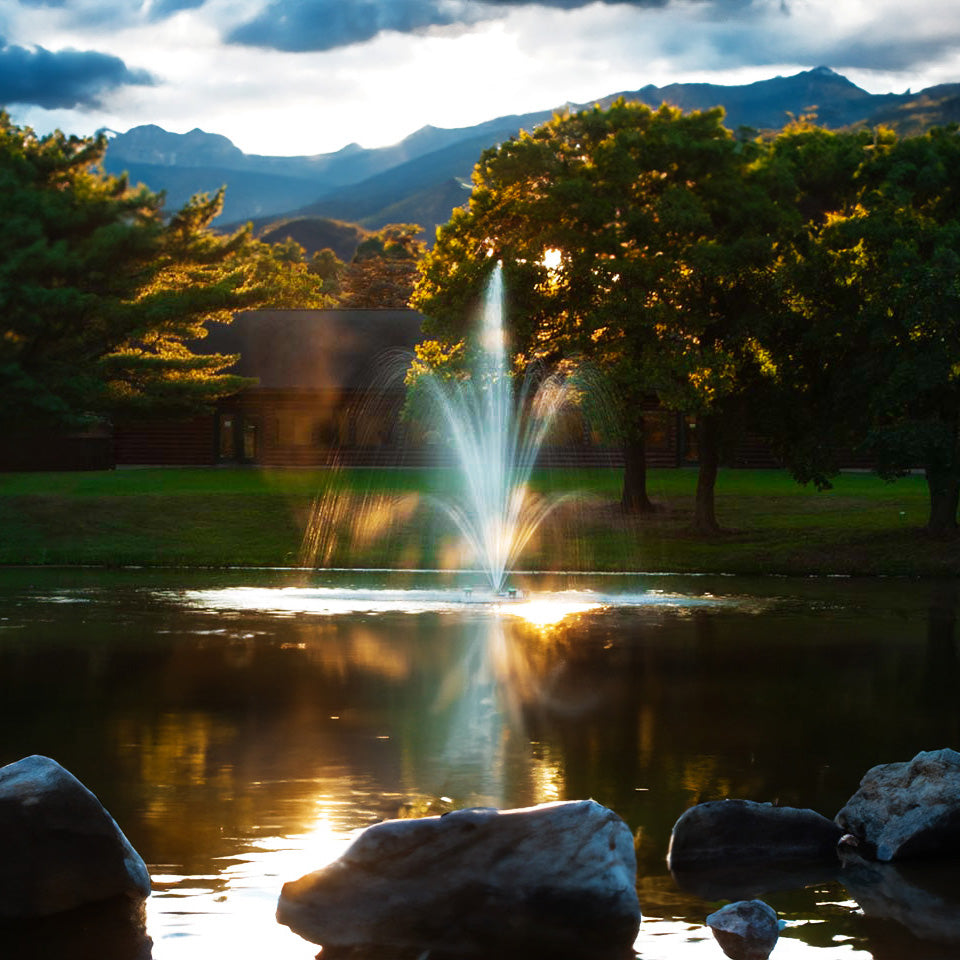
329,385
328,390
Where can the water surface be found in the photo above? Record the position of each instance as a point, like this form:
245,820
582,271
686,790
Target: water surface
243,726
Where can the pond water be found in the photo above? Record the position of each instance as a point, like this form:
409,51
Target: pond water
242,726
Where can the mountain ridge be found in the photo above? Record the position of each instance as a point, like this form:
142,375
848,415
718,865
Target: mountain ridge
420,172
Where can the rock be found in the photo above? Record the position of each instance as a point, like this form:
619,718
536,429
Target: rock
910,809
61,849
747,930
724,831
556,877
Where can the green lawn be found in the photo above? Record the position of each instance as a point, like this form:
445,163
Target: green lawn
384,518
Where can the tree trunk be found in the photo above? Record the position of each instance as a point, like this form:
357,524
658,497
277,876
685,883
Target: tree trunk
944,487
708,449
634,497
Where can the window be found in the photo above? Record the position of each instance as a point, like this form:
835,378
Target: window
250,440
227,437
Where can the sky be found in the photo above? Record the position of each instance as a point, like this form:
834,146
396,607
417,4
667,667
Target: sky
302,77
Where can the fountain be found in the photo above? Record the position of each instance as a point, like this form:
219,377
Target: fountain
496,431
494,423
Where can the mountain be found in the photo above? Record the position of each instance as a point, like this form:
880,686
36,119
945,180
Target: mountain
182,164
424,176
769,104
911,114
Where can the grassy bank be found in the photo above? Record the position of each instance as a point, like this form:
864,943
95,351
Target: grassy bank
384,518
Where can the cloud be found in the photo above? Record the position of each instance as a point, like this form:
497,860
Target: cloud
887,36
67,78
159,9
695,34
301,25
317,25
116,13
573,4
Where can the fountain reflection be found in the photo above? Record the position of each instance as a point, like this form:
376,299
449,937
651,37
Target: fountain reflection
463,741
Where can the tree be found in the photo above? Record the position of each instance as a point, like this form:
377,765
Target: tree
632,238
878,290
808,412
102,297
383,270
331,270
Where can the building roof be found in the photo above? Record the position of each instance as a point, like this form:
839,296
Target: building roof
317,349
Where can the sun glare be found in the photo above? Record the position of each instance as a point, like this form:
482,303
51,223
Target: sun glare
548,611
552,258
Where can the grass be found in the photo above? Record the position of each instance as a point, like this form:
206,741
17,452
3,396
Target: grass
220,517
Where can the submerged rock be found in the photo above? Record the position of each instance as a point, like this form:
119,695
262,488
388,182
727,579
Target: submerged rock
730,831
908,809
556,877
747,930
61,848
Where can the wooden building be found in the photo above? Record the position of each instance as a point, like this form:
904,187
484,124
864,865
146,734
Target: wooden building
329,391
329,385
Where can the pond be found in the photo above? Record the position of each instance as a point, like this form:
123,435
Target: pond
242,726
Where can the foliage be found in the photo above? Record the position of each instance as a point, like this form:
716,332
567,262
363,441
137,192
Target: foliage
634,238
383,271
874,342
808,413
326,265
103,299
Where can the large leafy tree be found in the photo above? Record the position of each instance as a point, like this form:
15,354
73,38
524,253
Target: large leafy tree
102,297
876,356
637,240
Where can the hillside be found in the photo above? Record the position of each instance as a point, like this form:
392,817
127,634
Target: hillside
423,177
314,234
933,107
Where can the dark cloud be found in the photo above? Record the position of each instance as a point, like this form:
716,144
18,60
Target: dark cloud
883,46
299,25
68,78
160,9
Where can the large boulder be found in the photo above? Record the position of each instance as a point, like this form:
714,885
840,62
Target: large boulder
556,877
743,831
60,847
746,930
905,810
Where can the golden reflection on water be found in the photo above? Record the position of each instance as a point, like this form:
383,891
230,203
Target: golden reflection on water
230,912
258,834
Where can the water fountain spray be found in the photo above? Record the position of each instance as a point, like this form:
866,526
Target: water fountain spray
496,424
